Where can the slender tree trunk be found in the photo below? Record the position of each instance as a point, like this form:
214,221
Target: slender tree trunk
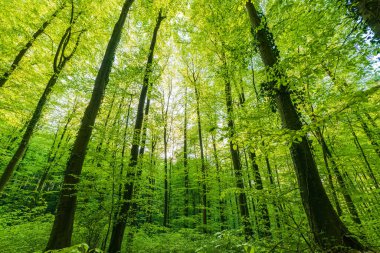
329,231
60,236
276,204
342,184
121,222
235,155
132,216
113,165
151,180
254,200
262,206
29,44
222,202
166,193
166,172
203,164
60,61
329,175
52,158
145,127
185,161
360,148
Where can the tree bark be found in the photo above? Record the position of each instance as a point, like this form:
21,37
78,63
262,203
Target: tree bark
328,230
60,236
235,155
203,164
121,222
185,161
264,229
222,202
166,190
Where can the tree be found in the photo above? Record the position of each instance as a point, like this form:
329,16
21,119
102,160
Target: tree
61,232
121,222
328,229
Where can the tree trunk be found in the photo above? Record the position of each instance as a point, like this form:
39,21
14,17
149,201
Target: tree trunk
222,202
264,228
203,165
29,44
151,185
235,155
166,191
329,231
185,161
121,222
145,128
60,236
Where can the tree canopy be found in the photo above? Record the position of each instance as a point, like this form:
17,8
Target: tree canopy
189,126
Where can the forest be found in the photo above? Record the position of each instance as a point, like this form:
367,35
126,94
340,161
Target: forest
189,126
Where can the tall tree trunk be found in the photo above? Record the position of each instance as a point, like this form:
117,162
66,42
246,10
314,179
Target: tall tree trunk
166,173
121,222
252,198
185,161
29,44
264,229
235,155
123,149
166,192
114,136
203,164
145,128
222,202
329,231
132,216
151,180
60,61
60,236
276,205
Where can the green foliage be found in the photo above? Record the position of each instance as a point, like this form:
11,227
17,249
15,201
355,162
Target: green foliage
328,64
